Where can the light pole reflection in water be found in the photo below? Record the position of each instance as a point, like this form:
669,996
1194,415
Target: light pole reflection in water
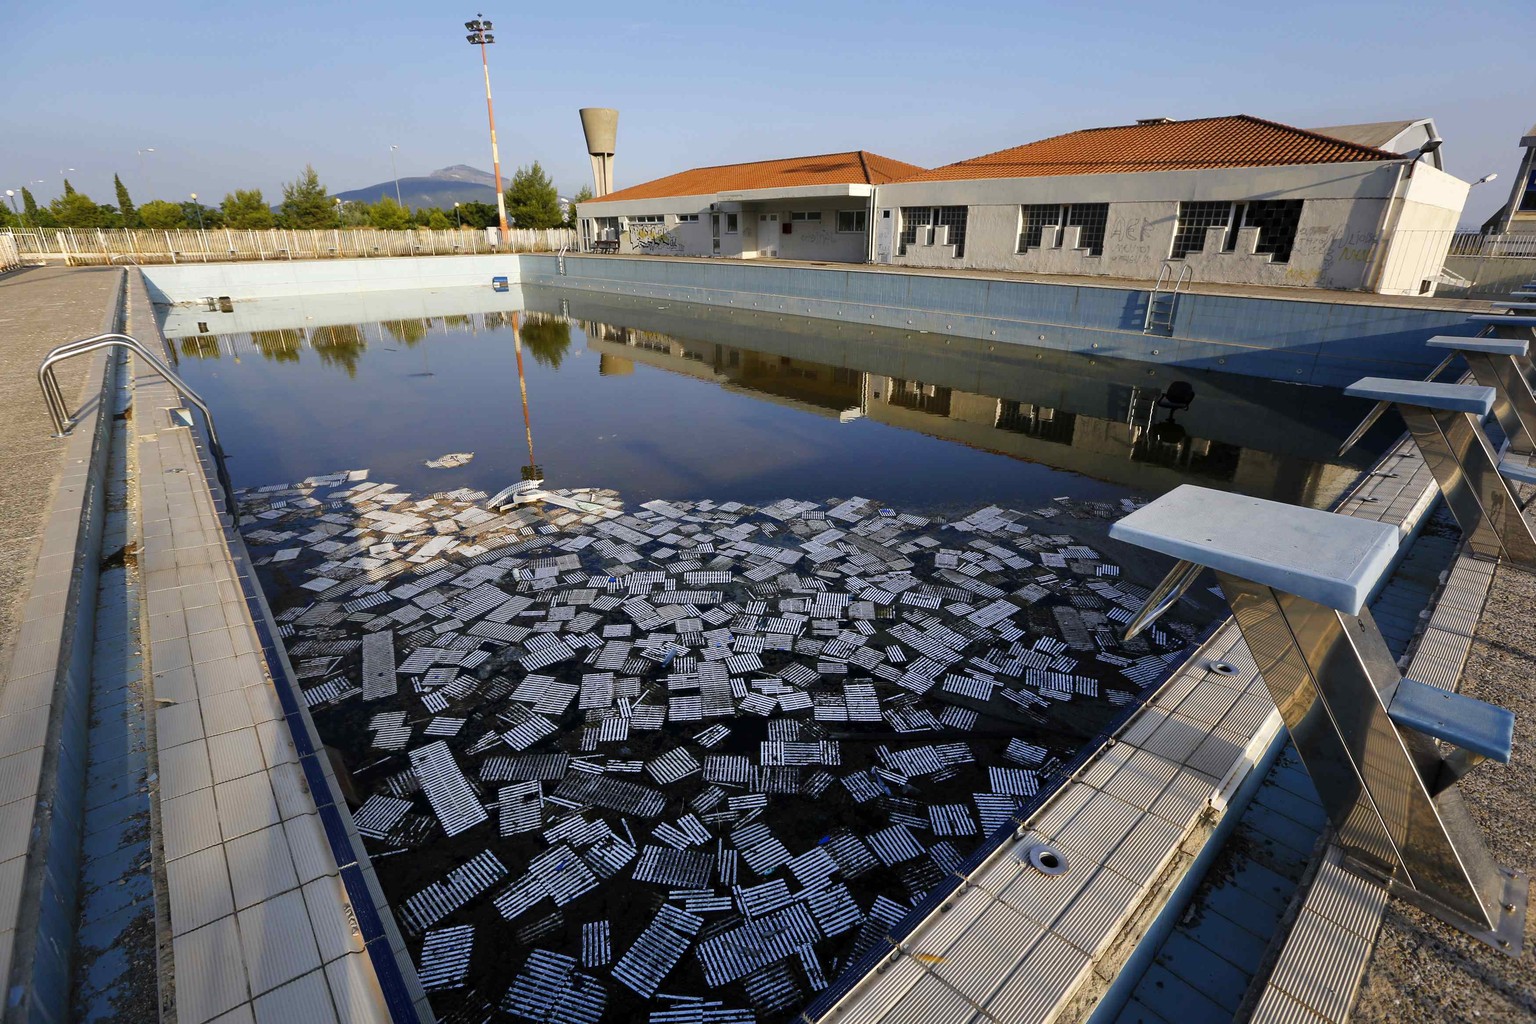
533,471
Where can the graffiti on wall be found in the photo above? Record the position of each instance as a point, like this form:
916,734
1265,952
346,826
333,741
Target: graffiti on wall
655,241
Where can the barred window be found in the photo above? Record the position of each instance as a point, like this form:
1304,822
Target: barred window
953,217
1194,220
913,218
1091,217
1036,219
1277,220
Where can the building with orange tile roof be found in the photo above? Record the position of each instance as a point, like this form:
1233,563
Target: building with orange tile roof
806,207
1235,200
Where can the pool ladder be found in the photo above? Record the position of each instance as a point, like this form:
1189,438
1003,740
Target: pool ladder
58,409
1163,302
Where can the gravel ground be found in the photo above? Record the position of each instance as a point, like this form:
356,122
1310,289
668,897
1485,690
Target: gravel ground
39,308
1422,970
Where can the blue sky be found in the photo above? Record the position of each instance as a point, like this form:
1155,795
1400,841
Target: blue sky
244,95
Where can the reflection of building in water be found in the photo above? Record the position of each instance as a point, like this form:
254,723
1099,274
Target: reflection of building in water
1091,425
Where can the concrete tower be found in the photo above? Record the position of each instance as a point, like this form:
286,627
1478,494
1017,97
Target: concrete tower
601,126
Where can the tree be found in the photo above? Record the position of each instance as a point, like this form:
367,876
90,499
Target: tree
162,216
306,203
202,216
438,221
546,340
69,189
388,215
247,209
532,201
8,219
75,210
125,204
582,196
478,215
28,205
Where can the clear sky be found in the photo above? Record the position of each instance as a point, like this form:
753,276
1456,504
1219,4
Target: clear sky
243,95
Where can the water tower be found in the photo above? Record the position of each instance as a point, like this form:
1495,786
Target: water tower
601,126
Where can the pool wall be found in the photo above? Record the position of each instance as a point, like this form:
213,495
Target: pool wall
1305,340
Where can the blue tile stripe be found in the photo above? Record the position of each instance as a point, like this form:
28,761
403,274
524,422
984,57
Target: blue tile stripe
397,997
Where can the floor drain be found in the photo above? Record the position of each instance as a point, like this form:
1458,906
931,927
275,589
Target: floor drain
1047,860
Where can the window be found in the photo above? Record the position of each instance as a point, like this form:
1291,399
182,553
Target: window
1091,218
1194,219
806,215
1036,218
1276,219
732,223
647,220
852,220
1528,199
607,229
916,218
687,218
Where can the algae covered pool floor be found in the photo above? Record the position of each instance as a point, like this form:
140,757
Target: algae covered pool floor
617,760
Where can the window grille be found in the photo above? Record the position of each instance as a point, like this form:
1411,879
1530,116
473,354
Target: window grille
1037,218
912,219
1091,217
1277,220
851,220
1194,220
953,217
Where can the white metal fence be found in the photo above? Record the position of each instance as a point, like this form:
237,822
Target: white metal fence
97,246
1472,243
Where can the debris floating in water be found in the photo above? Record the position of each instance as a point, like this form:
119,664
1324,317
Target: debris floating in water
450,461
689,760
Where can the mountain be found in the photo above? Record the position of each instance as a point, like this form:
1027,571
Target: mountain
442,188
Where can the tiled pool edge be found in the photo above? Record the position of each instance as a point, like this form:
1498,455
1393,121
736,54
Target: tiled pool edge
361,957
43,770
1302,338
1148,812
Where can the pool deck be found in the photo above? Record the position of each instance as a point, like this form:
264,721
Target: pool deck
266,907
199,856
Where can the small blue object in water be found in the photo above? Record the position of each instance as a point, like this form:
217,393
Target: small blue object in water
498,284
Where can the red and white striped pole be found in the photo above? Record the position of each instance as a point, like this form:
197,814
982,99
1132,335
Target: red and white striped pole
480,32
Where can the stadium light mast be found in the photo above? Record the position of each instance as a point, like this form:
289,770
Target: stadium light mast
480,35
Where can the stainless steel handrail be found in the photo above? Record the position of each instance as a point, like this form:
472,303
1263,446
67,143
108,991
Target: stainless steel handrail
63,423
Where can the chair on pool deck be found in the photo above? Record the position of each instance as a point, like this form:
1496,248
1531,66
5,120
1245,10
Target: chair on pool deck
1297,580
1446,421
1504,365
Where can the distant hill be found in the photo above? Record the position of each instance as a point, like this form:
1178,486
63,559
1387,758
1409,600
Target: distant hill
442,188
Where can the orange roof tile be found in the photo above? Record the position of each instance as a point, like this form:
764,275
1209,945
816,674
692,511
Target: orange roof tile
857,167
1235,141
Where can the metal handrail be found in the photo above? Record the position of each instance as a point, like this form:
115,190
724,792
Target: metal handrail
58,409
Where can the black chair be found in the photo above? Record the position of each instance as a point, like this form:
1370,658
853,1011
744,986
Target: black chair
1179,396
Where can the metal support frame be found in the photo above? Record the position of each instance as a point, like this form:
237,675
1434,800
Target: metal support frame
1297,582
1467,469
1333,679
58,408
1515,407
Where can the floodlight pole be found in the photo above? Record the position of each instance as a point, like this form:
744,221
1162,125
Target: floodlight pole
480,32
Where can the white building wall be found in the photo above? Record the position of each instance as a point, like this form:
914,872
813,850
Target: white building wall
1336,241
806,240
1430,210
